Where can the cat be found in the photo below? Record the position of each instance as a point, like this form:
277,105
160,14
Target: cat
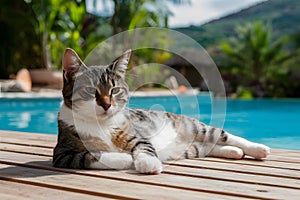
97,130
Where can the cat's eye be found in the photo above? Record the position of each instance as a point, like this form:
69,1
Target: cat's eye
90,90
115,90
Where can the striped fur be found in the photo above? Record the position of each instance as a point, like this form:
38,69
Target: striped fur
96,130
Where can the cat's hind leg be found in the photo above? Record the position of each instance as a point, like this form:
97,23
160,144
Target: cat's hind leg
215,135
195,150
226,152
256,150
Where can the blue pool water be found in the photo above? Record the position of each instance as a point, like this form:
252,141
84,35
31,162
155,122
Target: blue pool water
272,122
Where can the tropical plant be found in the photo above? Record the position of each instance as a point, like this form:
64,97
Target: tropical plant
63,23
45,13
60,24
255,57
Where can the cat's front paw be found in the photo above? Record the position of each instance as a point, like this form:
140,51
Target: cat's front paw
258,151
145,163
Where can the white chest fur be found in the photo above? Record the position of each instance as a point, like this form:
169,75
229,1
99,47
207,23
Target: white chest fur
91,126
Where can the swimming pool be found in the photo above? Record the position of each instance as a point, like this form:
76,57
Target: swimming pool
272,122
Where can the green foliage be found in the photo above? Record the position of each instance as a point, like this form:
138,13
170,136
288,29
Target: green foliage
65,23
256,58
244,93
150,13
253,51
60,24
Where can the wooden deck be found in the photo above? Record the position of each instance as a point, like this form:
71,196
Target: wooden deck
26,173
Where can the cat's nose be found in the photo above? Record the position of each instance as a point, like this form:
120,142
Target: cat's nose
105,106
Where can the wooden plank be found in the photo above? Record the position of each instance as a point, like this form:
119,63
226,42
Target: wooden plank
186,171
232,177
28,139
41,151
252,162
26,149
283,159
26,135
14,190
98,186
283,173
221,163
214,174
194,183
48,152
287,153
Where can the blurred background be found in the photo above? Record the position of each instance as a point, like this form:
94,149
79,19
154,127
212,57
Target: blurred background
255,43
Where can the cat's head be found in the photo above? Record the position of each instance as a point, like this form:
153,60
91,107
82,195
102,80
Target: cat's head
95,89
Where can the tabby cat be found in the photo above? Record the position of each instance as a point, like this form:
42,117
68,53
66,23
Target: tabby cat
98,131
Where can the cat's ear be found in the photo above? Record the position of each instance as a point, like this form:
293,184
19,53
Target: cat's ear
119,66
71,64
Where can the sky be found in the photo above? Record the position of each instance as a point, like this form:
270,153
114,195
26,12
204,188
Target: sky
201,11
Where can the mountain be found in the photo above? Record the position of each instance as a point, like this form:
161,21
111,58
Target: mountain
284,16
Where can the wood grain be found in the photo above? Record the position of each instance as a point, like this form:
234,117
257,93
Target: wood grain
25,165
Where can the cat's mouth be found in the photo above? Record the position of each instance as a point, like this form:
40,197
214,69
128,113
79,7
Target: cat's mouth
100,112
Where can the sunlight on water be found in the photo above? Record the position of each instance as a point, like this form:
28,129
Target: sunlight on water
20,120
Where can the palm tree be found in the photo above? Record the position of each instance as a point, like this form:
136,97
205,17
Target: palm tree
254,55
